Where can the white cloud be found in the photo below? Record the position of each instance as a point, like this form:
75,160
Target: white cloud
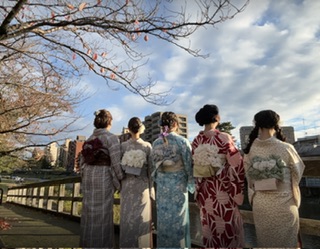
264,58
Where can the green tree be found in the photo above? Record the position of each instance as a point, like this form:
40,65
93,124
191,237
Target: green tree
225,127
10,163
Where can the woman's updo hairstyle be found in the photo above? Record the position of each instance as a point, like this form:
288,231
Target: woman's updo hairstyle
168,119
206,115
166,122
135,125
265,119
102,119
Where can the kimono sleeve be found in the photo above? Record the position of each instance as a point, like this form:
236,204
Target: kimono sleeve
236,172
150,170
297,167
187,161
115,156
155,158
247,164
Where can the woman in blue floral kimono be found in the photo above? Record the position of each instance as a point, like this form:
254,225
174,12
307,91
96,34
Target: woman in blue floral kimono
173,176
136,190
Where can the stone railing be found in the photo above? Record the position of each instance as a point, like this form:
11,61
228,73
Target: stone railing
60,196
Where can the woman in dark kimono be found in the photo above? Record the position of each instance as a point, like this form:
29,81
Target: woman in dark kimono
101,172
219,173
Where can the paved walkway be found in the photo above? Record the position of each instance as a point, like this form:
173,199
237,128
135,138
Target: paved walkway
32,229
36,229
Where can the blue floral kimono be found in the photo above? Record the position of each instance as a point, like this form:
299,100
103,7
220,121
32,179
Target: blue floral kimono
173,178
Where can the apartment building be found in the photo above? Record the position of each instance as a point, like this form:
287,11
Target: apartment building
75,148
51,153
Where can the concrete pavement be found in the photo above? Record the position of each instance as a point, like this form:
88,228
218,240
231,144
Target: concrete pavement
34,229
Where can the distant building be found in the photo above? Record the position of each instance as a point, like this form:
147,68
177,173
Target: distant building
309,149
308,146
152,131
125,135
288,131
51,154
63,154
75,147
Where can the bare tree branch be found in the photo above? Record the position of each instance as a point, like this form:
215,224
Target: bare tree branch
46,46
117,24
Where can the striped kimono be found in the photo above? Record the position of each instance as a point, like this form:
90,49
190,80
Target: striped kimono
218,196
98,185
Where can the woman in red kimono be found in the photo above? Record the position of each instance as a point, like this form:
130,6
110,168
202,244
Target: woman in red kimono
219,172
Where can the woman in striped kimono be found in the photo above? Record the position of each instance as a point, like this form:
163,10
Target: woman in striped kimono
219,172
173,176
101,172
136,190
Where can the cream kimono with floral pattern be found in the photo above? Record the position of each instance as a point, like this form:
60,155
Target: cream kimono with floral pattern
275,210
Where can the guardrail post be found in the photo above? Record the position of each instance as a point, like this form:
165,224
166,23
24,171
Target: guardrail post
41,197
62,188
1,195
50,194
75,204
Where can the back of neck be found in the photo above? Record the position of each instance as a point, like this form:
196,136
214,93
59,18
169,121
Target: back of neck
265,133
211,126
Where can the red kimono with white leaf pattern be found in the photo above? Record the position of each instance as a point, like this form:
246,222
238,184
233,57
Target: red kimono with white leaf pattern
218,196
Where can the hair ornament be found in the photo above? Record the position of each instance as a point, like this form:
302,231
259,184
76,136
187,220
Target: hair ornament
165,132
96,113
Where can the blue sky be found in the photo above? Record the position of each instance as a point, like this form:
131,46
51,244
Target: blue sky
267,57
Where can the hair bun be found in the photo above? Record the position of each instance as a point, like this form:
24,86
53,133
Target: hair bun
206,114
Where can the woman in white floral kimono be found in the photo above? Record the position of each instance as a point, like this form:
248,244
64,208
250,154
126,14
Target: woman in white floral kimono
173,176
274,170
219,172
136,190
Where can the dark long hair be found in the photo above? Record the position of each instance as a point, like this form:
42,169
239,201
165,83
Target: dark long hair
265,119
135,125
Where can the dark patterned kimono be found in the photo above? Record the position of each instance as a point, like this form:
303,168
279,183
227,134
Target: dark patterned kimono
218,196
98,184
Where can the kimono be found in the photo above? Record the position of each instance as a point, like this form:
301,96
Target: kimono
274,170
136,193
219,195
173,178
98,183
